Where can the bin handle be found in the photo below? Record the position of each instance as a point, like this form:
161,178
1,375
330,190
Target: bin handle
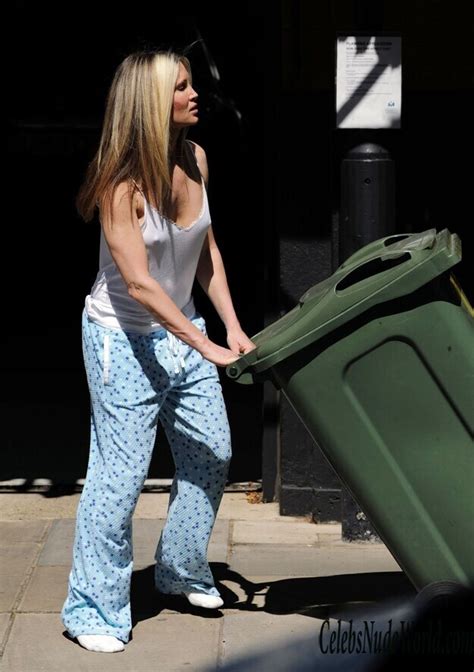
371,268
395,241
415,241
448,253
400,250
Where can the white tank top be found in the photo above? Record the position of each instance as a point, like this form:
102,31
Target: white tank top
173,253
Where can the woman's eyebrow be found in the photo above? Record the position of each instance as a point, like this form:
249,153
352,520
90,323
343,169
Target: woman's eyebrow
182,81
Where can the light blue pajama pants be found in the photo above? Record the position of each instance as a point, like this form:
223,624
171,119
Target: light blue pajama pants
134,380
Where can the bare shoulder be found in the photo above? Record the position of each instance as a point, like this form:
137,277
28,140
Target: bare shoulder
122,193
124,197
201,159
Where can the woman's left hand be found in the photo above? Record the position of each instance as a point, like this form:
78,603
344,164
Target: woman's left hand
239,342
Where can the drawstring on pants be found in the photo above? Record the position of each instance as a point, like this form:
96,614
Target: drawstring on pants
174,347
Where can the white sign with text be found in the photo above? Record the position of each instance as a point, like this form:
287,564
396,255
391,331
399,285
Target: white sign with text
368,82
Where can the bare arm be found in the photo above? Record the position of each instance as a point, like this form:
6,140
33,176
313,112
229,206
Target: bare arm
127,248
210,271
211,276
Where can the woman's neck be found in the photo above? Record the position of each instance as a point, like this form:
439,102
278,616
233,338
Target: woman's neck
173,142
176,152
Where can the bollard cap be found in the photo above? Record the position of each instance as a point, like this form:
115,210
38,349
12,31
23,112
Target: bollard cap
368,151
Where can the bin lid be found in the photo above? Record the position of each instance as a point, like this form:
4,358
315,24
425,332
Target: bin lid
383,270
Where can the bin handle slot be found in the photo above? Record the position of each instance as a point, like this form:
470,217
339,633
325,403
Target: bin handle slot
397,237
370,269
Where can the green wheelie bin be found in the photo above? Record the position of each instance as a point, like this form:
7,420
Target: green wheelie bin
378,363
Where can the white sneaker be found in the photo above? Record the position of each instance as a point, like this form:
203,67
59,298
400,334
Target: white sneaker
104,643
203,600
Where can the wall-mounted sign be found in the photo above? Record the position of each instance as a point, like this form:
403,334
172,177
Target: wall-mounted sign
368,82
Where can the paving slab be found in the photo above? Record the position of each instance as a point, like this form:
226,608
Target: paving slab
16,561
249,633
280,532
12,531
46,590
323,529
35,505
167,643
234,506
4,621
297,560
57,549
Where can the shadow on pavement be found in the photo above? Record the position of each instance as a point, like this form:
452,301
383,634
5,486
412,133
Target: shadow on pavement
342,596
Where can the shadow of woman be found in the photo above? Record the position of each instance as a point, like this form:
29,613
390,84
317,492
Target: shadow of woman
342,596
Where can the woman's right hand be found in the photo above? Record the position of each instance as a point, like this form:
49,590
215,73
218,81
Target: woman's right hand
218,355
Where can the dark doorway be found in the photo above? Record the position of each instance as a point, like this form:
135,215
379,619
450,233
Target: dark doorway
62,62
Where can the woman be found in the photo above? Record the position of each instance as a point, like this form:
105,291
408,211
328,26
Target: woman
146,350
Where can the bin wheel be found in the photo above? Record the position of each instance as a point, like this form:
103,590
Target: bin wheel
443,594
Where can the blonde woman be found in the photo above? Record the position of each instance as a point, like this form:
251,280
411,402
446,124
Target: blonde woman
146,351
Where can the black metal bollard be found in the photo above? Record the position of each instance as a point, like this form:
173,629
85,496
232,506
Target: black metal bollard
367,198
367,213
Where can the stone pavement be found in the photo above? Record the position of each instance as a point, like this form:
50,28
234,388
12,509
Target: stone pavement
280,578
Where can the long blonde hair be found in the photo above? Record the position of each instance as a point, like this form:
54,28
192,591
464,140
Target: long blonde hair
134,143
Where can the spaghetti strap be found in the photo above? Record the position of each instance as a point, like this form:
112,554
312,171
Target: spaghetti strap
190,145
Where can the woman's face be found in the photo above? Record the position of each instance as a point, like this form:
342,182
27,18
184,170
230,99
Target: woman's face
185,110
